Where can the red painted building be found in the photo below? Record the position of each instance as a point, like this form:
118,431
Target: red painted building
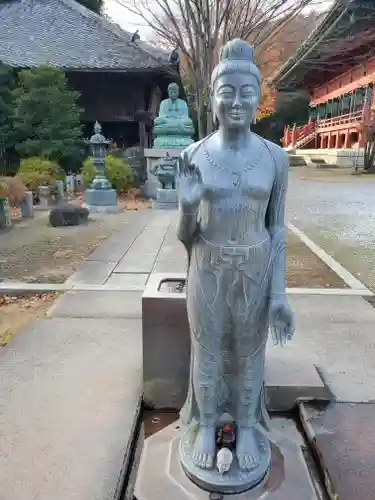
336,65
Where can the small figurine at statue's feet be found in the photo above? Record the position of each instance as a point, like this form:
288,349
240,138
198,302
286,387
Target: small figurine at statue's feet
232,189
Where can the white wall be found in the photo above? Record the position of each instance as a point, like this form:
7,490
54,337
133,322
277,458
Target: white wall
340,157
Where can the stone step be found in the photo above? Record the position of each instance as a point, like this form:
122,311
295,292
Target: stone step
297,160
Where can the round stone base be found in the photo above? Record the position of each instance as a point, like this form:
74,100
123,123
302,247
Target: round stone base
234,481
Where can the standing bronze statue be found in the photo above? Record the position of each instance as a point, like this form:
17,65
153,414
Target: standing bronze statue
232,188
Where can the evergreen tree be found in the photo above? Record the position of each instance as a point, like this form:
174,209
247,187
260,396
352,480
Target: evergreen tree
95,5
46,116
6,107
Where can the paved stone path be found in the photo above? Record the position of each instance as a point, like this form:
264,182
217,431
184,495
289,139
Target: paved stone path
127,258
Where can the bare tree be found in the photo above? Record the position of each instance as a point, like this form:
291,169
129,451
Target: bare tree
199,27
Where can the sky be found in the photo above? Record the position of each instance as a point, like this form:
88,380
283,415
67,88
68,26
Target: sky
131,22
125,19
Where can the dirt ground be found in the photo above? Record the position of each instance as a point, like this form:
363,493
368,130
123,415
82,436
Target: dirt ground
35,252
17,312
306,270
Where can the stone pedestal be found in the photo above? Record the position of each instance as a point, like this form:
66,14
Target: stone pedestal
160,474
44,197
60,190
166,199
5,214
101,200
154,156
27,208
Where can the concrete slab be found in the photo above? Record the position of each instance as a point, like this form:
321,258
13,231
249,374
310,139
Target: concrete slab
127,281
172,257
290,380
141,256
343,436
91,273
69,397
114,248
98,304
337,335
161,476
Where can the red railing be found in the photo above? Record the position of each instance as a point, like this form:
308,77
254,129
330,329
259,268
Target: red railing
346,119
298,136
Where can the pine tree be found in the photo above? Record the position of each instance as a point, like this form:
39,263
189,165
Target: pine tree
6,107
95,5
46,115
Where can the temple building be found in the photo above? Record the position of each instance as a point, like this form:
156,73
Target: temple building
336,66
121,81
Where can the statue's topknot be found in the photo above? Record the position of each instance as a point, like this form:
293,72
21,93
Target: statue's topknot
237,50
236,55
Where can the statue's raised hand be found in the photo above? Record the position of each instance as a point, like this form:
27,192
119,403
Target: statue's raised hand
281,319
190,184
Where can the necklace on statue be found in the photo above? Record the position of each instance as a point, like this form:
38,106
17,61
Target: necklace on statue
237,174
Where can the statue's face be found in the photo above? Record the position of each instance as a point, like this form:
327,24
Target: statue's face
235,100
173,92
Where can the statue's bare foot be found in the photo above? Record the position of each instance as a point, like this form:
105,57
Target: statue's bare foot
247,450
205,447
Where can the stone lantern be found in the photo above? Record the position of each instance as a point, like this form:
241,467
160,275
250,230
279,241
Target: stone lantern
100,197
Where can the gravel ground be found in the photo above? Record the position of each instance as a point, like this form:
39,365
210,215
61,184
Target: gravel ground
337,211
35,252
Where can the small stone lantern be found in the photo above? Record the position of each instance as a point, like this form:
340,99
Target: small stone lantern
100,197
99,145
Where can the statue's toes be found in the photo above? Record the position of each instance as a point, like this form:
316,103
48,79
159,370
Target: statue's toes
252,462
209,461
197,458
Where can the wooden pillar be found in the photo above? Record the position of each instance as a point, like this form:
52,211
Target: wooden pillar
294,135
346,140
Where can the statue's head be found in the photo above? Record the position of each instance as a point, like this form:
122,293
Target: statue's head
235,85
173,91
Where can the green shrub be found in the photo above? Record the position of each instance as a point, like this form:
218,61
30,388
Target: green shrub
35,172
88,172
118,172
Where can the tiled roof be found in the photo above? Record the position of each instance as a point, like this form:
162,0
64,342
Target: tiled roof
66,34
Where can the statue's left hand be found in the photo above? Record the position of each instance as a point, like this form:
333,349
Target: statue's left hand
281,319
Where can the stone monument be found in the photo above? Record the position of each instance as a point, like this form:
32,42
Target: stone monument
232,188
166,196
100,197
173,130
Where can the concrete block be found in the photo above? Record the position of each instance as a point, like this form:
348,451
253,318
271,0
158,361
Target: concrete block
127,281
98,304
69,401
91,273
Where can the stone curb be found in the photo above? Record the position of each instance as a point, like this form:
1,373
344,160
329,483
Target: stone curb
19,288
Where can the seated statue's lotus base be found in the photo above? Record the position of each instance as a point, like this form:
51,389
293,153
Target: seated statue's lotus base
172,141
231,482
166,199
